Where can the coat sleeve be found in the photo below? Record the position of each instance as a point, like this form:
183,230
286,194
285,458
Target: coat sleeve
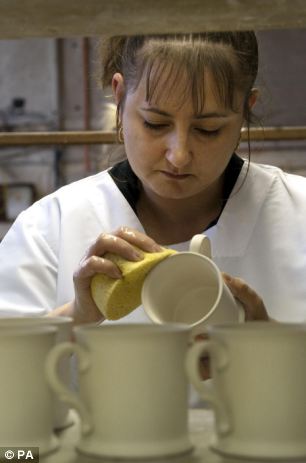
28,262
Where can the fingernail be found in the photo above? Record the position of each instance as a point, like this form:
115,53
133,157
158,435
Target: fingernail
156,248
116,273
227,277
137,255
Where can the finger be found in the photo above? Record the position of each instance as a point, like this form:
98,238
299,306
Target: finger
252,303
122,242
110,243
138,239
201,337
94,264
204,363
204,367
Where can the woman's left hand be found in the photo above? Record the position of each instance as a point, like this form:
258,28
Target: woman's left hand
251,302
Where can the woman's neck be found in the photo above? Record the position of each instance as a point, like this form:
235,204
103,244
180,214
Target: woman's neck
171,221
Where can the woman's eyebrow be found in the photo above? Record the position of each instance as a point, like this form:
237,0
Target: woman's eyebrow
208,115
211,115
156,111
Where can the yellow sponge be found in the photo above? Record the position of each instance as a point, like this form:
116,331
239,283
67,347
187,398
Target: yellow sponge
116,298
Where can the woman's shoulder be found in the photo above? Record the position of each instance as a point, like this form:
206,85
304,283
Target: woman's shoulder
79,192
280,179
74,199
83,185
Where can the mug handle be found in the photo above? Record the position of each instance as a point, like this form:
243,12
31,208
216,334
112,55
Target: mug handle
201,245
195,352
61,390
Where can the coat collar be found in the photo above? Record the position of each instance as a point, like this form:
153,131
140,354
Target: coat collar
231,235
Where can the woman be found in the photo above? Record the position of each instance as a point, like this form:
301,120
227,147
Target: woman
181,104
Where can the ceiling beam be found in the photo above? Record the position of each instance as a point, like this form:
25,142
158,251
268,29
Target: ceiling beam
70,18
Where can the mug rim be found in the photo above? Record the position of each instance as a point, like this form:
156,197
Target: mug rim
41,319
144,289
258,326
133,327
25,330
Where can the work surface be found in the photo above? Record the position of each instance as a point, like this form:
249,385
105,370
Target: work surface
201,432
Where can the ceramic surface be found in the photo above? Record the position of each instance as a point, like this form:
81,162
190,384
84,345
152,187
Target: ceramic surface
259,384
63,333
133,398
188,288
26,401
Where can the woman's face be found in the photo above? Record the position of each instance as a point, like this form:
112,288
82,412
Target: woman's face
173,151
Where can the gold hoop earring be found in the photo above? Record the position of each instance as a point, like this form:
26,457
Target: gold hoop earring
120,135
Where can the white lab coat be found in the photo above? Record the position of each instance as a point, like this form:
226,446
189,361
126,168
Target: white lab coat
260,237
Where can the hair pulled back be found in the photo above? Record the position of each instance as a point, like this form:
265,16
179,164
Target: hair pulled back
231,57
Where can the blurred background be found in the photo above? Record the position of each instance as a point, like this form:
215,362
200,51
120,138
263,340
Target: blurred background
50,84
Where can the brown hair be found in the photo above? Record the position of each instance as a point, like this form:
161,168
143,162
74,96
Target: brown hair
232,58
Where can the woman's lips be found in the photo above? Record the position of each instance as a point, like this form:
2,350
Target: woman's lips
175,176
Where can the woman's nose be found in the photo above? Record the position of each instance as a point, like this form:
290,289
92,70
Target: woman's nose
178,151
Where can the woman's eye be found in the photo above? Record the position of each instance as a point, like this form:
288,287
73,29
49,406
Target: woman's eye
208,133
152,126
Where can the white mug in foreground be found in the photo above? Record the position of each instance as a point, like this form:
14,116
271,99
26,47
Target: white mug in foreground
188,287
61,418
133,399
258,393
26,401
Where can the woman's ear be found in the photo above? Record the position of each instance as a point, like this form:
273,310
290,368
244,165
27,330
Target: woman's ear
253,97
118,87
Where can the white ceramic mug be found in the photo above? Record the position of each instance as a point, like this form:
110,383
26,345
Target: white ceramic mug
64,333
26,401
258,388
133,398
188,287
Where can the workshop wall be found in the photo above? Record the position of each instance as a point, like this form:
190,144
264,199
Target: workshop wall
48,84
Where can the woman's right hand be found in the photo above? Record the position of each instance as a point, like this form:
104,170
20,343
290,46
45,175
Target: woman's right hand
120,242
